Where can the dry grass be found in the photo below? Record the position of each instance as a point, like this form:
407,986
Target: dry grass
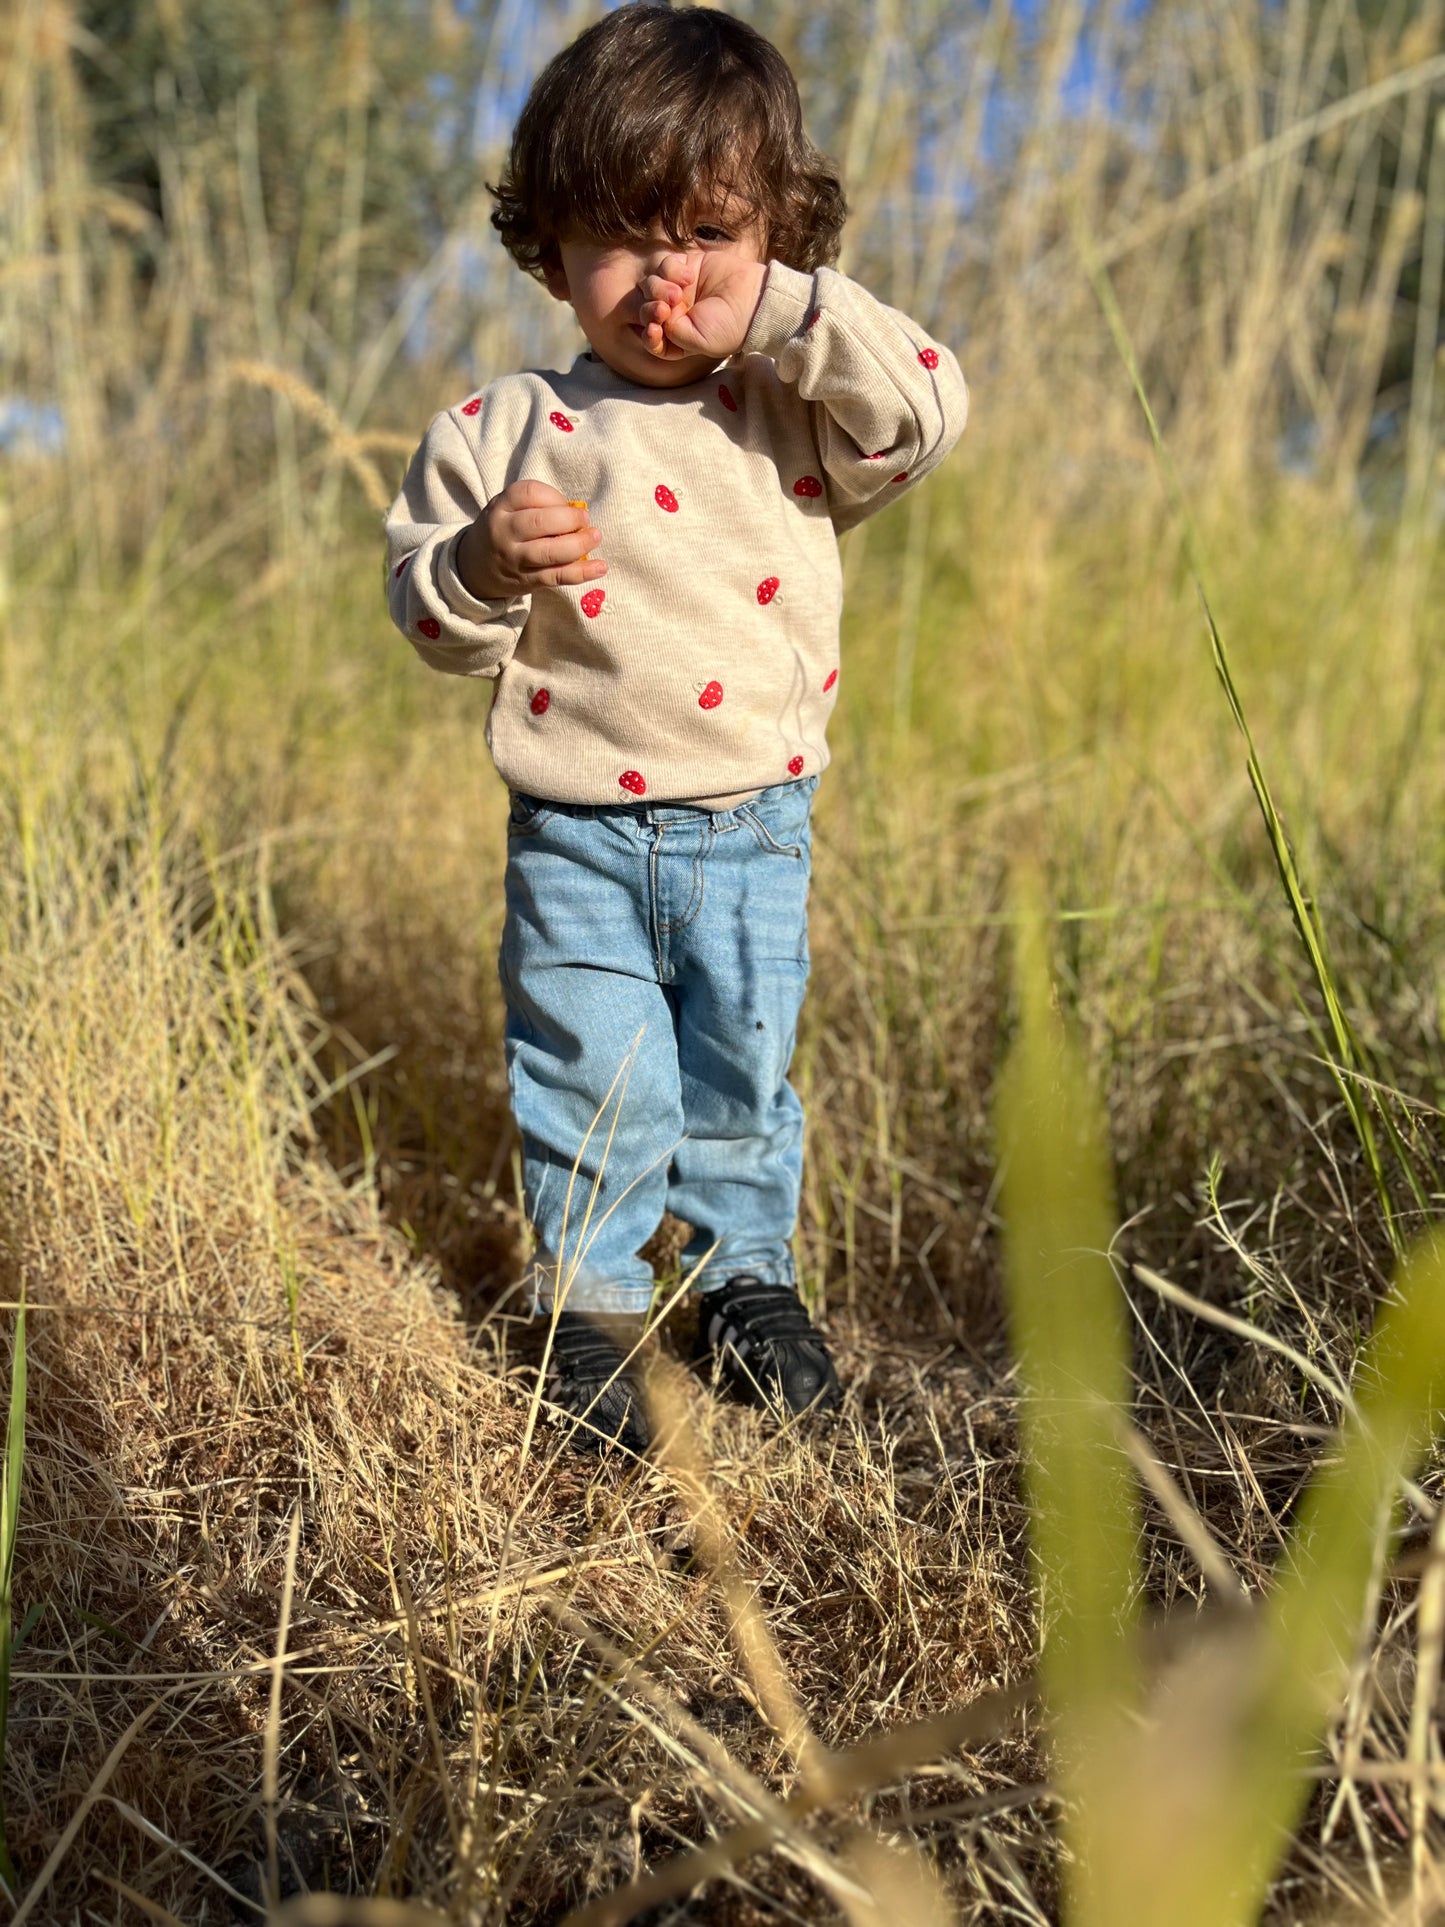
435,1706
252,1292
306,1597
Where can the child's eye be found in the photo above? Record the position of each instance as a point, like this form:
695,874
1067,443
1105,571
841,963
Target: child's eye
707,232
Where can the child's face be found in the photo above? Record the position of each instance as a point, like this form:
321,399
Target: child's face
603,281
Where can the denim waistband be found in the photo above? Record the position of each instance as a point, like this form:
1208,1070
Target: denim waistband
669,812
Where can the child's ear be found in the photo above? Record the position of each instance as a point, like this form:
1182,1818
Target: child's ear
555,280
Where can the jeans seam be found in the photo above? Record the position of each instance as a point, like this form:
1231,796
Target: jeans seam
693,909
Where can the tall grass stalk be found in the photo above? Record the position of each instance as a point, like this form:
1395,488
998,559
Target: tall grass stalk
1342,1048
1069,1334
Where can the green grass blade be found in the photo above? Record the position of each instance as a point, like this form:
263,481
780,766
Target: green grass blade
1347,1058
1069,1334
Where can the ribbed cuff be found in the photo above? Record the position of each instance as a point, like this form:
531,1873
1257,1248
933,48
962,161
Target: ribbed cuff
787,297
459,598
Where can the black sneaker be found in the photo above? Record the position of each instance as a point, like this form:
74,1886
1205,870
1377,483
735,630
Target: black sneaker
587,1377
768,1349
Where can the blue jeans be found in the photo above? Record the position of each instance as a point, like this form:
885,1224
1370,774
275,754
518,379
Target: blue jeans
653,962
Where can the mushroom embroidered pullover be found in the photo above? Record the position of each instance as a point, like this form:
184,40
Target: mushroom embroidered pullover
703,667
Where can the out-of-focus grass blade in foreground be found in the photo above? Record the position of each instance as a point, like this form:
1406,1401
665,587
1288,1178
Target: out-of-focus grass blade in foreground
1182,1796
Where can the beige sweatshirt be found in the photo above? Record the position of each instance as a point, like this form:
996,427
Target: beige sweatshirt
703,666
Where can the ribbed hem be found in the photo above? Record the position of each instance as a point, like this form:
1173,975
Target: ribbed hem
787,297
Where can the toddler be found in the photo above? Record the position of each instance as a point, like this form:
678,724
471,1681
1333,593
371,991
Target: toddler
641,555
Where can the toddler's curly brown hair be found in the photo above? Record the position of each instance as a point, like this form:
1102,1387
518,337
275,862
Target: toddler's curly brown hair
658,113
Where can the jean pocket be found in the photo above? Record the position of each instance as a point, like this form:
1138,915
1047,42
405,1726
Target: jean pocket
527,813
766,840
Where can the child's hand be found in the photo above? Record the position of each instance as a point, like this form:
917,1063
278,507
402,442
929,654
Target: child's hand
528,537
700,304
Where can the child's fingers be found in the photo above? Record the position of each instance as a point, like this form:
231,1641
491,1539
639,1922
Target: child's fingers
679,268
567,574
555,551
527,525
529,494
657,331
656,288
682,337
658,344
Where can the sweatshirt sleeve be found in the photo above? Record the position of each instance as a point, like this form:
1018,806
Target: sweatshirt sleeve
443,493
887,403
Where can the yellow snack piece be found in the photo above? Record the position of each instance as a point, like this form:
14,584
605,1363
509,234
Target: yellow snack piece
583,507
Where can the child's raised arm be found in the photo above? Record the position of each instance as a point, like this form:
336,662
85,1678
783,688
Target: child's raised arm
887,403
